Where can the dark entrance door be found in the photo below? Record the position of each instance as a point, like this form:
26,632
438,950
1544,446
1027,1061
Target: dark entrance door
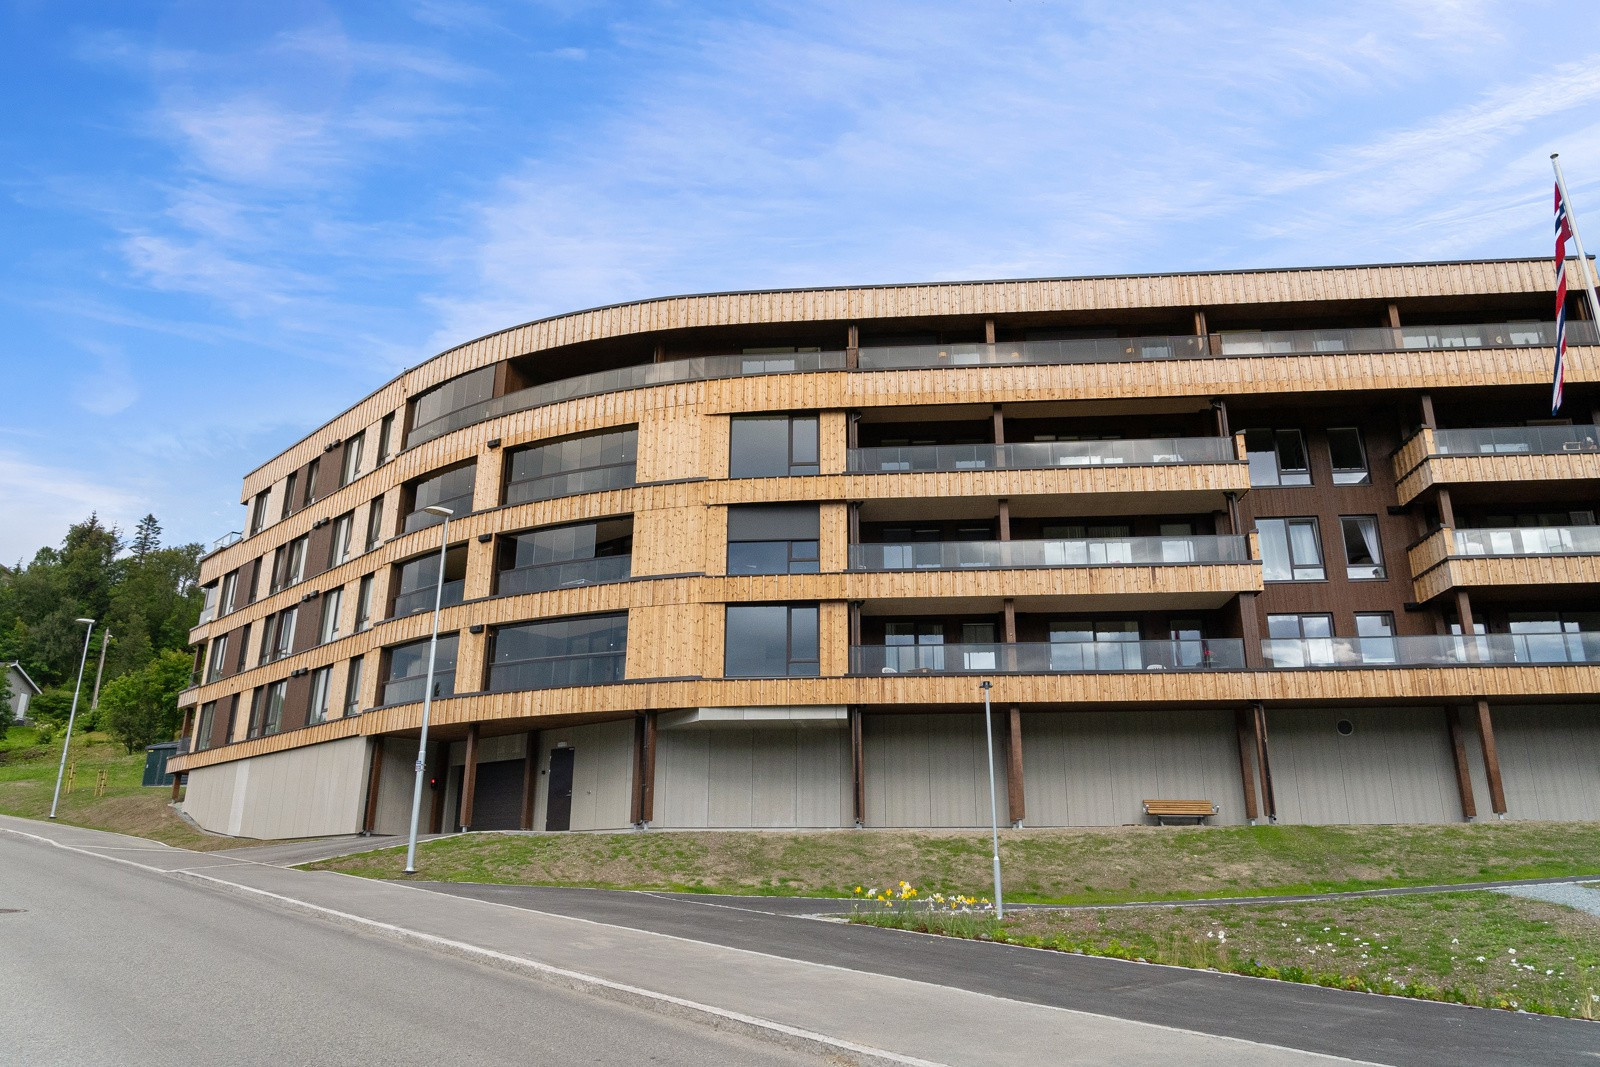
558,805
497,804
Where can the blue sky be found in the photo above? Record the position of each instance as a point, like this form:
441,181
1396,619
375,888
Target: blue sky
225,222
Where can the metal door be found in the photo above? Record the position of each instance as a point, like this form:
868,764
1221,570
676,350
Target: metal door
558,803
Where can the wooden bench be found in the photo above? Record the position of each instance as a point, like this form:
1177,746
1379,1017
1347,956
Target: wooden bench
1180,811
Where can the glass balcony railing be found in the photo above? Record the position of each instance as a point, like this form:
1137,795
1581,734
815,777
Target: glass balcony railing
543,577
698,368
422,599
1431,651
1529,541
1085,350
410,690
1048,657
1516,439
1087,552
1034,455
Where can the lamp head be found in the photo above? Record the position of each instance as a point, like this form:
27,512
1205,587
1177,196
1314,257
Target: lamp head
86,622
440,510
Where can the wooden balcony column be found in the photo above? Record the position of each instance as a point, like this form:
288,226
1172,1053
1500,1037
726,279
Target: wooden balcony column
999,420
1269,803
369,823
1243,723
659,355
1428,420
852,347
1005,519
1447,508
858,785
1219,407
1250,630
988,331
530,780
1016,796
1458,749
469,778
1394,324
644,769
1491,759
1203,330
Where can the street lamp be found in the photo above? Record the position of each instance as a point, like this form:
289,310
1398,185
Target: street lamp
994,809
427,692
73,715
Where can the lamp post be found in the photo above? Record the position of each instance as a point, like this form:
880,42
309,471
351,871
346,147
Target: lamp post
427,692
994,808
72,716
99,672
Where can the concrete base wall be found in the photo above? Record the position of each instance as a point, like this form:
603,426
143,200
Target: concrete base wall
305,792
396,782
1549,762
769,775
929,770
602,775
1097,768
1394,767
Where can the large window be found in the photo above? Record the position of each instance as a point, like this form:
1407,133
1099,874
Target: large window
277,637
408,671
230,593
1095,645
1375,637
1555,636
266,709
773,539
559,652
352,458
770,641
1348,455
1291,550
219,653
1362,553
203,729
450,489
1277,457
352,687
374,523
364,603
558,557
288,564
1300,641
431,412
332,604
765,446
258,512
417,582
321,679
586,464
339,545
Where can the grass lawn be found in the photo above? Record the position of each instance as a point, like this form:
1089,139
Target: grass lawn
1486,949
28,778
1047,866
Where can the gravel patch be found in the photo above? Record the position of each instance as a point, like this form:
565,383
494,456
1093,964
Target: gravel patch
1571,894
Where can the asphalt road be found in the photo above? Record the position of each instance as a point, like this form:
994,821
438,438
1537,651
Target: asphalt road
1360,1026
102,963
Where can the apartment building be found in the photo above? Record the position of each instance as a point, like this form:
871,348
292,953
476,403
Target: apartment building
1306,544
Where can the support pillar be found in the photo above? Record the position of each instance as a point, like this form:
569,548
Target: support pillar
999,421
1269,803
1491,759
858,785
1250,630
469,778
1429,422
177,785
1005,519
1219,407
1458,748
1242,720
374,777
988,331
644,770
1016,797
1447,511
530,780
852,347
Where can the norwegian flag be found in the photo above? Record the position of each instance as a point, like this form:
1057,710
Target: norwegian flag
1563,234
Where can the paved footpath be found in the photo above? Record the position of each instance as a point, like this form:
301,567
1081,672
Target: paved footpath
875,996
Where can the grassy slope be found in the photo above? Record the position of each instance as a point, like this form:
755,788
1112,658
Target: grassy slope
1056,866
1487,949
28,778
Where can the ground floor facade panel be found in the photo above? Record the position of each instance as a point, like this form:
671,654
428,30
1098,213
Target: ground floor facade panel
772,775
314,791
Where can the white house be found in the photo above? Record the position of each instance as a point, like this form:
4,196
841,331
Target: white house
23,690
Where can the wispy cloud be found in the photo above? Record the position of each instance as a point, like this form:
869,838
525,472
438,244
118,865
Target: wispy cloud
54,498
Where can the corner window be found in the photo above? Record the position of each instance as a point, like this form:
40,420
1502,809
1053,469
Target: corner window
768,446
1348,455
1363,555
773,539
770,641
1277,457
408,671
1291,550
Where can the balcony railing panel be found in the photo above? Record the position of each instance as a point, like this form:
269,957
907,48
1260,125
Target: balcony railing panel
1089,552
422,599
1034,455
1432,651
1048,657
543,577
1516,439
698,368
1529,541
1085,350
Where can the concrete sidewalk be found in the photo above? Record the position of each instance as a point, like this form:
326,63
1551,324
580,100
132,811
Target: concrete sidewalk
845,1013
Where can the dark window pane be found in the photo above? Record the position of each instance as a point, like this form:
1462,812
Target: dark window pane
757,638
758,557
758,448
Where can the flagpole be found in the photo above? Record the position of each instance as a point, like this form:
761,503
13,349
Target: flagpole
1583,260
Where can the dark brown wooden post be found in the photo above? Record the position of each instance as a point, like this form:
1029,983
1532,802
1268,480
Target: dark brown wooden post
1005,519
1016,796
1247,763
469,777
636,802
858,785
660,353
1491,759
1250,630
530,780
988,331
1447,511
999,421
647,786
441,780
1199,322
1458,748
1269,802
1428,419
1219,407
177,784
374,777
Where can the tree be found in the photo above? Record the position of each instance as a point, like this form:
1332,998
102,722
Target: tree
146,538
141,707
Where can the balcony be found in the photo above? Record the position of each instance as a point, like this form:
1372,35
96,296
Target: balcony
544,577
1494,650
1169,451
1532,557
1488,455
415,600
1056,657
1091,552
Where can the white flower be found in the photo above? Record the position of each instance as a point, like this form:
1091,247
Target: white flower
1480,959
1550,971
1455,941
1511,951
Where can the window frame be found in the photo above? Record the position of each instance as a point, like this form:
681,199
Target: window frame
1350,475
1294,567
1381,571
328,624
350,463
1278,469
317,703
795,666
797,467
352,686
